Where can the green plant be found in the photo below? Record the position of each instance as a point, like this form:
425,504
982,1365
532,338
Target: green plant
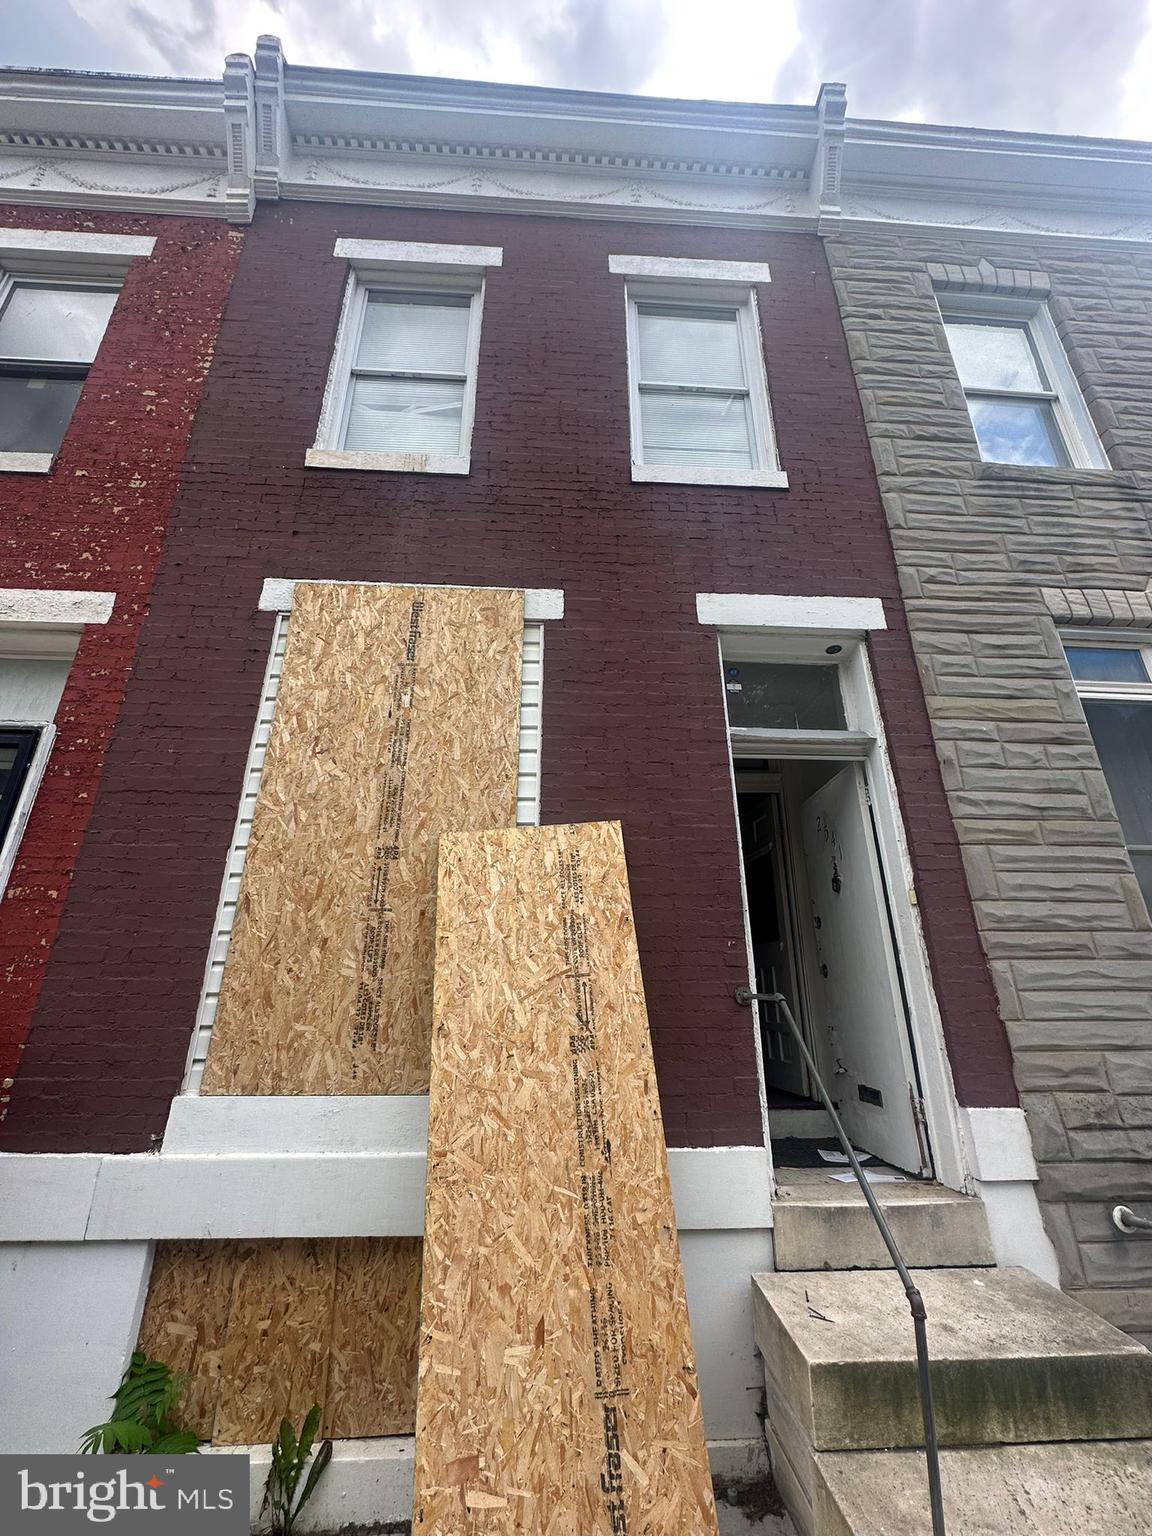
289,1459
142,1423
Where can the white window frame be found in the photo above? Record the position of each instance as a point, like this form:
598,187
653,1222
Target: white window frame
1074,423
400,267
22,810
766,471
63,259
1141,693
1111,640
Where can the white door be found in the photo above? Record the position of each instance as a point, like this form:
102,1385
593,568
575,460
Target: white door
872,1078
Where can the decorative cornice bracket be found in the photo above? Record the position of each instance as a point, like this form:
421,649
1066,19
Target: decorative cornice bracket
828,162
271,134
240,137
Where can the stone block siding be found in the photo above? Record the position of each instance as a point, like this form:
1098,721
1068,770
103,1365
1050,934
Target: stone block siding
984,553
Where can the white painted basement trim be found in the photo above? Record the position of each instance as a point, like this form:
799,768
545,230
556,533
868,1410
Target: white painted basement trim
998,1149
765,610
32,605
82,1197
540,603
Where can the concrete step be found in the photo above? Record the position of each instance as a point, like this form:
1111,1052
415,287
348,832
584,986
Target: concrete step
1101,1488
1013,1361
819,1224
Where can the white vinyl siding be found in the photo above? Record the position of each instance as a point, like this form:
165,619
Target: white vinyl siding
527,813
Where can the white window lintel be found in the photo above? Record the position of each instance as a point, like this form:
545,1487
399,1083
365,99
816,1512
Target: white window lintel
32,605
690,269
63,252
540,603
410,254
763,610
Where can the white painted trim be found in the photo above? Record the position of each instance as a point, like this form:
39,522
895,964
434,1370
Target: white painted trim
15,243
416,254
377,1124
701,474
33,605
693,271
25,463
762,610
1016,1227
927,1026
304,1193
998,1144
23,807
395,463
540,603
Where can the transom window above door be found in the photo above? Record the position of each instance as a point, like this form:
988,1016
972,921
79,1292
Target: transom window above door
783,696
1022,397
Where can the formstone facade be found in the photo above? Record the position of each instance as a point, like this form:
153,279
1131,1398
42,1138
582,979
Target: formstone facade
994,559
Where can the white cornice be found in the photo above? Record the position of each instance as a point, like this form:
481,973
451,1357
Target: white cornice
272,130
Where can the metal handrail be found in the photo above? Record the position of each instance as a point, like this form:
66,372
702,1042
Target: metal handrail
1127,1221
915,1300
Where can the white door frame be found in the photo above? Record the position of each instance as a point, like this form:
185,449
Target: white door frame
864,740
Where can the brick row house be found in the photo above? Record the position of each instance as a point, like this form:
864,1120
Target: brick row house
821,483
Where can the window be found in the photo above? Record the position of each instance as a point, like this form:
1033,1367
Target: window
17,749
409,374
1022,397
1115,687
699,396
49,336
402,385
783,696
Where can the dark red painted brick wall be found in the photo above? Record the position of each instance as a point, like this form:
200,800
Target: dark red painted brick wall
97,522
633,709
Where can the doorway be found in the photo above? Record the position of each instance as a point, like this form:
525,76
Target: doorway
821,934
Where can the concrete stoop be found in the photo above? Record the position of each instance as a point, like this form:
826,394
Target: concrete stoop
1017,1368
819,1224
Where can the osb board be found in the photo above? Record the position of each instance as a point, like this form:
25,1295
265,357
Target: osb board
267,1328
558,1391
275,1359
186,1321
397,719
375,1335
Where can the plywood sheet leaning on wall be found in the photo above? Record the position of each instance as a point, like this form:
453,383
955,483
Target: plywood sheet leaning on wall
558,1390
396,720
265,1329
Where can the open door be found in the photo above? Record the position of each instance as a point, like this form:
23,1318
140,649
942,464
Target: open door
856,981
770,929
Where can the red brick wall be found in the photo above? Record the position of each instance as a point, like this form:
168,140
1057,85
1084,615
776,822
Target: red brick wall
633,709
98,522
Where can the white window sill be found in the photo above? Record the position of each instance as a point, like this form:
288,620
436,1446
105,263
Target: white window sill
402,463
698,474
25,463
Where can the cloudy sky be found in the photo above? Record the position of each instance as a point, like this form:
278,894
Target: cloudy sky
1060,66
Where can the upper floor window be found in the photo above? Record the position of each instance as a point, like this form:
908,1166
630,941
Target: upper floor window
698,390
1115,686
1022,397
402,385
699,396
49,336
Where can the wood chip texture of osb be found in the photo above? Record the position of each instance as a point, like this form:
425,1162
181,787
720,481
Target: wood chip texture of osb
397,720
558,1391
266,1329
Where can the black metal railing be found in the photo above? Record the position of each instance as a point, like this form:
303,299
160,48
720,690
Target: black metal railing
915,1300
